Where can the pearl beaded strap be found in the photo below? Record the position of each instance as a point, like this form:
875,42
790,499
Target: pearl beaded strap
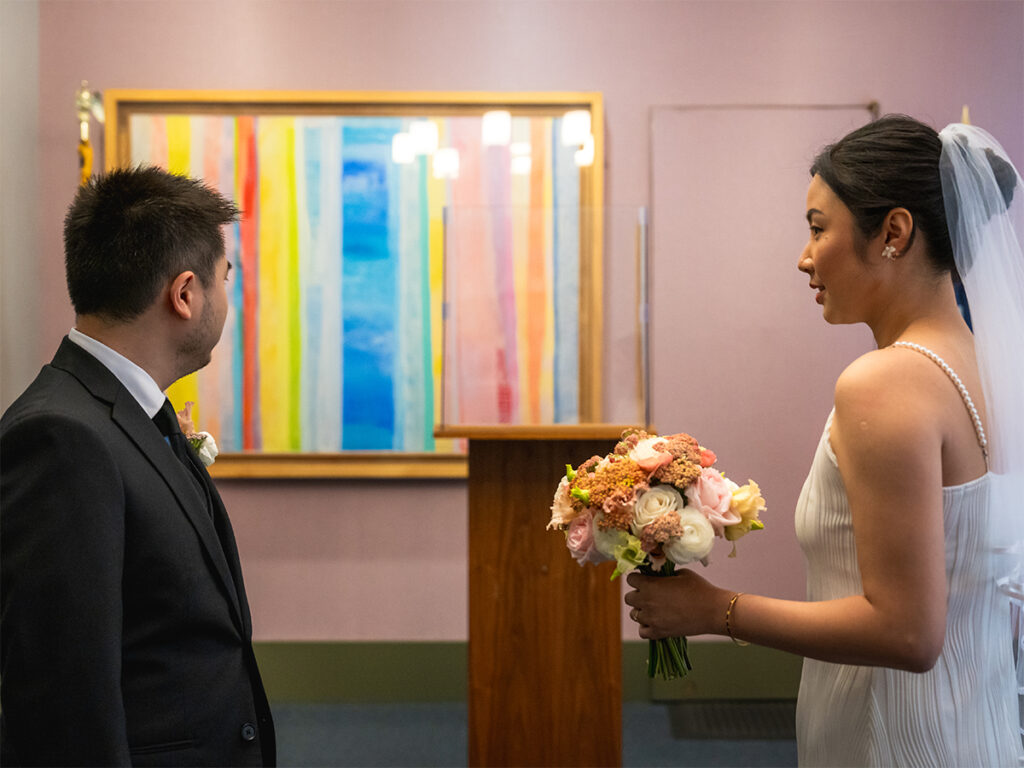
978,428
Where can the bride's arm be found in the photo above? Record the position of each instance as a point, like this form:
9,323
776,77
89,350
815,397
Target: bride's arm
887,436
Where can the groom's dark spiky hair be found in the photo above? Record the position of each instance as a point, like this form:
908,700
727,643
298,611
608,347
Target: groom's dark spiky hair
129,231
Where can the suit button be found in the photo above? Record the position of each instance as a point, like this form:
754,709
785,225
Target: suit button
248,732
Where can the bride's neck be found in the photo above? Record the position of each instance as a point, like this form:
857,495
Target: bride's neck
924,314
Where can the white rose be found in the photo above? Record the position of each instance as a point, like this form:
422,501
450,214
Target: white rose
207,449
695,543
654,503
605,541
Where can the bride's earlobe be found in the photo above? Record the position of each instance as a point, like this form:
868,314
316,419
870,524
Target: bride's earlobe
899,233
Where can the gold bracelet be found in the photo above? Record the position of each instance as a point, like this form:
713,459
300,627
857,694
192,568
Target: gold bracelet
728,620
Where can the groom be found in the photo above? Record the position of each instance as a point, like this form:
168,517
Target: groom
125,636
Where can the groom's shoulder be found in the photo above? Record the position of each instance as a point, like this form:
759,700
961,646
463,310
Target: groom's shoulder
53,394
56,425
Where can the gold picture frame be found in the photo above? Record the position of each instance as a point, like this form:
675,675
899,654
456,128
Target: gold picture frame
124,105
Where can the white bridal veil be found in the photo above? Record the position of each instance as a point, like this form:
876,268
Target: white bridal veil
984,199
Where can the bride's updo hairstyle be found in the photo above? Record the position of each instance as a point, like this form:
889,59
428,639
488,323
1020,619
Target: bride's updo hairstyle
892,162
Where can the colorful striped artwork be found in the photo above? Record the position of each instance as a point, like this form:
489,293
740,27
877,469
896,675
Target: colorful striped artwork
334,337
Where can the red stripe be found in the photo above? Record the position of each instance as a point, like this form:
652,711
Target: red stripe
247,176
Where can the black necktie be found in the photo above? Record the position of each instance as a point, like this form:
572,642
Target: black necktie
167,422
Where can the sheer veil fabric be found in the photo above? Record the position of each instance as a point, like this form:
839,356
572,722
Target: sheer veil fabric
984,200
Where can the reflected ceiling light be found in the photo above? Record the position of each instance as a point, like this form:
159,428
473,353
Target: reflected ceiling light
585,155
519,148
521,165
497,128
575,127
424,136
446,163
402,150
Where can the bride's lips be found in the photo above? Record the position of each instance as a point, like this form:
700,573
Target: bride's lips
820,295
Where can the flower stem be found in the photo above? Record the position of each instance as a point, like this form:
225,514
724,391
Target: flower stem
666,658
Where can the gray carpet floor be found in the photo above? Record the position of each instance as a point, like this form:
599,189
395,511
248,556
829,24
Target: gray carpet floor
434,734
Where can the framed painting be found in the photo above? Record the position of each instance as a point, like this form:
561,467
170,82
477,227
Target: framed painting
330,363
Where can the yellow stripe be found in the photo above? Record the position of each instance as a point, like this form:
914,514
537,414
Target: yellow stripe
437,190
520,258
179,147
179,144
547,376
275,142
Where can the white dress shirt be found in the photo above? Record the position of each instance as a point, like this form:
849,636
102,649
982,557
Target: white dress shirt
139,383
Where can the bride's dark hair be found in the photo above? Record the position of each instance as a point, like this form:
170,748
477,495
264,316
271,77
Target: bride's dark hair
893,162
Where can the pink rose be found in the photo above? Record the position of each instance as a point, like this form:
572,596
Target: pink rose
712,496
650,454
580,540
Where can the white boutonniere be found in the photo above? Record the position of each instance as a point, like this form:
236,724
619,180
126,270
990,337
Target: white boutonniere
202,442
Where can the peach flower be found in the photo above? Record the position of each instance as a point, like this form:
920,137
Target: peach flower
650,454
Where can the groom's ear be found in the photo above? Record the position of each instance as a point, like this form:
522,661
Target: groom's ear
183,293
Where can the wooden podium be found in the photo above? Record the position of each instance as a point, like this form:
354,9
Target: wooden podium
545,646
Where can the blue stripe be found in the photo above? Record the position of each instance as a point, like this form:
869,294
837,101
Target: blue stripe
369,280
234,440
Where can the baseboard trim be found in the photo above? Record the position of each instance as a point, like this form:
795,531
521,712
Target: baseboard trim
436,671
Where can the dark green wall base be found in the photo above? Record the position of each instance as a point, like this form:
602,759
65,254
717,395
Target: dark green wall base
720,671
377,672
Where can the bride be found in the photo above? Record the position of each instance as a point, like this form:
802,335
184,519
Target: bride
913,504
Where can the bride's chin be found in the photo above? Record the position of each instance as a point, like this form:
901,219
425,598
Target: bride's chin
830,316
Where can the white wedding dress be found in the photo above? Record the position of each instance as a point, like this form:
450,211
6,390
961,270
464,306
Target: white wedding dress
964,711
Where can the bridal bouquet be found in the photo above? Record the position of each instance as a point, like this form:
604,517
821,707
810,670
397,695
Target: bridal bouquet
654,503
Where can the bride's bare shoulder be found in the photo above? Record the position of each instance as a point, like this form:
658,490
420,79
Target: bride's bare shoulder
890,389
876,372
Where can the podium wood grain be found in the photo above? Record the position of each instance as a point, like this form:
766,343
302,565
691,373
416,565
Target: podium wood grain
545,649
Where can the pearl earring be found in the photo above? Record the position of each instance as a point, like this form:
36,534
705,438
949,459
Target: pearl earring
889,252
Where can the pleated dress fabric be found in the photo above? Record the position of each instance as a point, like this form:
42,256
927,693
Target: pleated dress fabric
964,711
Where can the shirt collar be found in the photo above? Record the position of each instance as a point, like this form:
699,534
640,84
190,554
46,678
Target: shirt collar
139,383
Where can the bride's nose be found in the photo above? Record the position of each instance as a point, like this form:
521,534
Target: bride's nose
804,263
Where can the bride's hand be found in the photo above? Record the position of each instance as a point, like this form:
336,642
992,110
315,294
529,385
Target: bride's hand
680,605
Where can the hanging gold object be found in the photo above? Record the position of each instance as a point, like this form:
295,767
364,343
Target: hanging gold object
88,104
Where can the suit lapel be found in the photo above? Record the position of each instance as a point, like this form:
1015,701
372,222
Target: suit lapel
127,414
139,428
227,539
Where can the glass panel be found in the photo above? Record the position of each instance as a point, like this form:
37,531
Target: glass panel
544,316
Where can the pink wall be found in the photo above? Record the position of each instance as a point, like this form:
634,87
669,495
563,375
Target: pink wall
319,566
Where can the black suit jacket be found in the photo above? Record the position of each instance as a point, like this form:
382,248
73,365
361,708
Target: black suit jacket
125,635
